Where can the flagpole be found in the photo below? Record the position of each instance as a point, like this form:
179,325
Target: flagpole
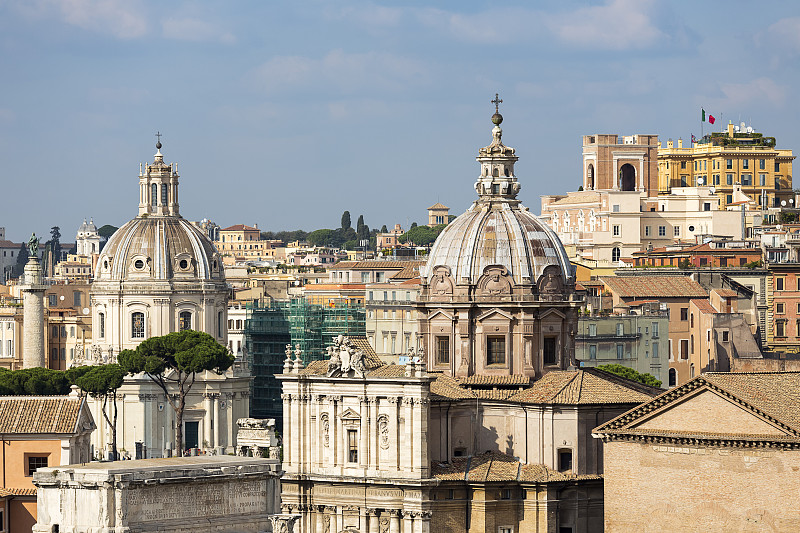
702,120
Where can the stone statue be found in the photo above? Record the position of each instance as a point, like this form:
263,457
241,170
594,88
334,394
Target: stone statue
33,246
345,359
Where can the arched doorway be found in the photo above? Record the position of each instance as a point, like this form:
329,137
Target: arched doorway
590,177
673,377
627,178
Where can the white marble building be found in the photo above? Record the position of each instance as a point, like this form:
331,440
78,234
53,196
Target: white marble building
87,241
157,274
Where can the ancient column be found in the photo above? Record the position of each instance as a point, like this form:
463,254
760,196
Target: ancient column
394,521
207,421
374,525
363,444
33,313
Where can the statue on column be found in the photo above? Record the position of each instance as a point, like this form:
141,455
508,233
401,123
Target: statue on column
33,246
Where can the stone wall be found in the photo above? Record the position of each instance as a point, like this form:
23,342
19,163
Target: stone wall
190,494
654,488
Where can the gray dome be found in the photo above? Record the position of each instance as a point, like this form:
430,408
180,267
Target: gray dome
498,234
497,230
159,248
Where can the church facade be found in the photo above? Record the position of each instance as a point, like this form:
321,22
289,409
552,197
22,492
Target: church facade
157,274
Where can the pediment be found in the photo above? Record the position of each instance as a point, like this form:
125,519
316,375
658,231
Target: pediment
546,314
349,414
692,414
495,313
440,314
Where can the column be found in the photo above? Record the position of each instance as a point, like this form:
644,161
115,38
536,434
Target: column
408,522
375,448
207,420
363,436
318,438
395,409
231,418
374,524
288,434
298,435
407,444
217,422
320,519
394,521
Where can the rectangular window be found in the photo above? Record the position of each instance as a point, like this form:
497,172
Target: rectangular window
615,230
593,330
137,325
655,330
707,206
762,164
683,164
716,179
780,328
777,167
564,460
549,349
729,163
747,179
684,313
725,336
647,231
76,298
684,348
655,350
52,300
352,446
676,231
778,284
745,163
779,308
662,231
620,351
442,350
762,179
495,350
35,462
620,329
592,351
164,193
777,188
729,179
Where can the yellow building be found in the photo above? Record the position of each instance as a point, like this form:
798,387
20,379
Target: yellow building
244,243
726,160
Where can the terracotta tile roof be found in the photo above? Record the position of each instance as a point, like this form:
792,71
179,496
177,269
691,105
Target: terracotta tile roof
240,227
438,205
494,466
375,265
493,394
371,359
726,293
343,265
586,386
577,198
408,272
496,380
704,306
43,414
315,368
388,371
773,395
8,244
11,491
449,388
654,287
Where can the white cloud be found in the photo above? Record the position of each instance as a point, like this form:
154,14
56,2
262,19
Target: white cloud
124,19
781,38
340,72
193,29
757,90
618,25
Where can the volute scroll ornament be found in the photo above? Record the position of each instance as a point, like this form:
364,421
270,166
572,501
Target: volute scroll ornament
441,283
551,284
494,281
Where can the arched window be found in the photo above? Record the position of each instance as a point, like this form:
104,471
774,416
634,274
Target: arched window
154,195
102,324
673,377
164,194
615,253
137,325
184,320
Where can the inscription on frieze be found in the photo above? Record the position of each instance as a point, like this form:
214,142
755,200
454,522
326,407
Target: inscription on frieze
192,501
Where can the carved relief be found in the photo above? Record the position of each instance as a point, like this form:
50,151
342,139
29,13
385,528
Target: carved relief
383,431
551,284
494,282
326,522
345,359
384,524
441,283
325,424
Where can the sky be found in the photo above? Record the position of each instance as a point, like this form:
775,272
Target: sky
285,114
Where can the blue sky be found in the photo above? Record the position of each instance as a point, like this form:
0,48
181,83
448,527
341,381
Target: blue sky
287,113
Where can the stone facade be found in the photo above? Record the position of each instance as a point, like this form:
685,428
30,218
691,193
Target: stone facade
715,454
184,495
33,354
621,163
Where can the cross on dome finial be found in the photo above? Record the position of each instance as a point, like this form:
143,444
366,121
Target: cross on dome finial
497,118
158,143
497,101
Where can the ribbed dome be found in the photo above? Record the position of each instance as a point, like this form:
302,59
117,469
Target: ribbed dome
497,229
159,248
498,234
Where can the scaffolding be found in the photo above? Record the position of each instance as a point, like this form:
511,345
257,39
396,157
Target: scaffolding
270,327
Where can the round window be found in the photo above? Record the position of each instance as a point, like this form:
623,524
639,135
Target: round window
691,228
184,264
138,264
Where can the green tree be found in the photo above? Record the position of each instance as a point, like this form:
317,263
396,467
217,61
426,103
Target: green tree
172,362
360,223
321,237
107,231
421,235
55,243
346,220
629,373
22,260
102,382
38,381
384,229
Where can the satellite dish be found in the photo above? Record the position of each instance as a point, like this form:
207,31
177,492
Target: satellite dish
712,190
742,125
783,203
700,181
85,310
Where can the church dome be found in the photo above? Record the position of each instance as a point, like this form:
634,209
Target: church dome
498,231
159,248
159,244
